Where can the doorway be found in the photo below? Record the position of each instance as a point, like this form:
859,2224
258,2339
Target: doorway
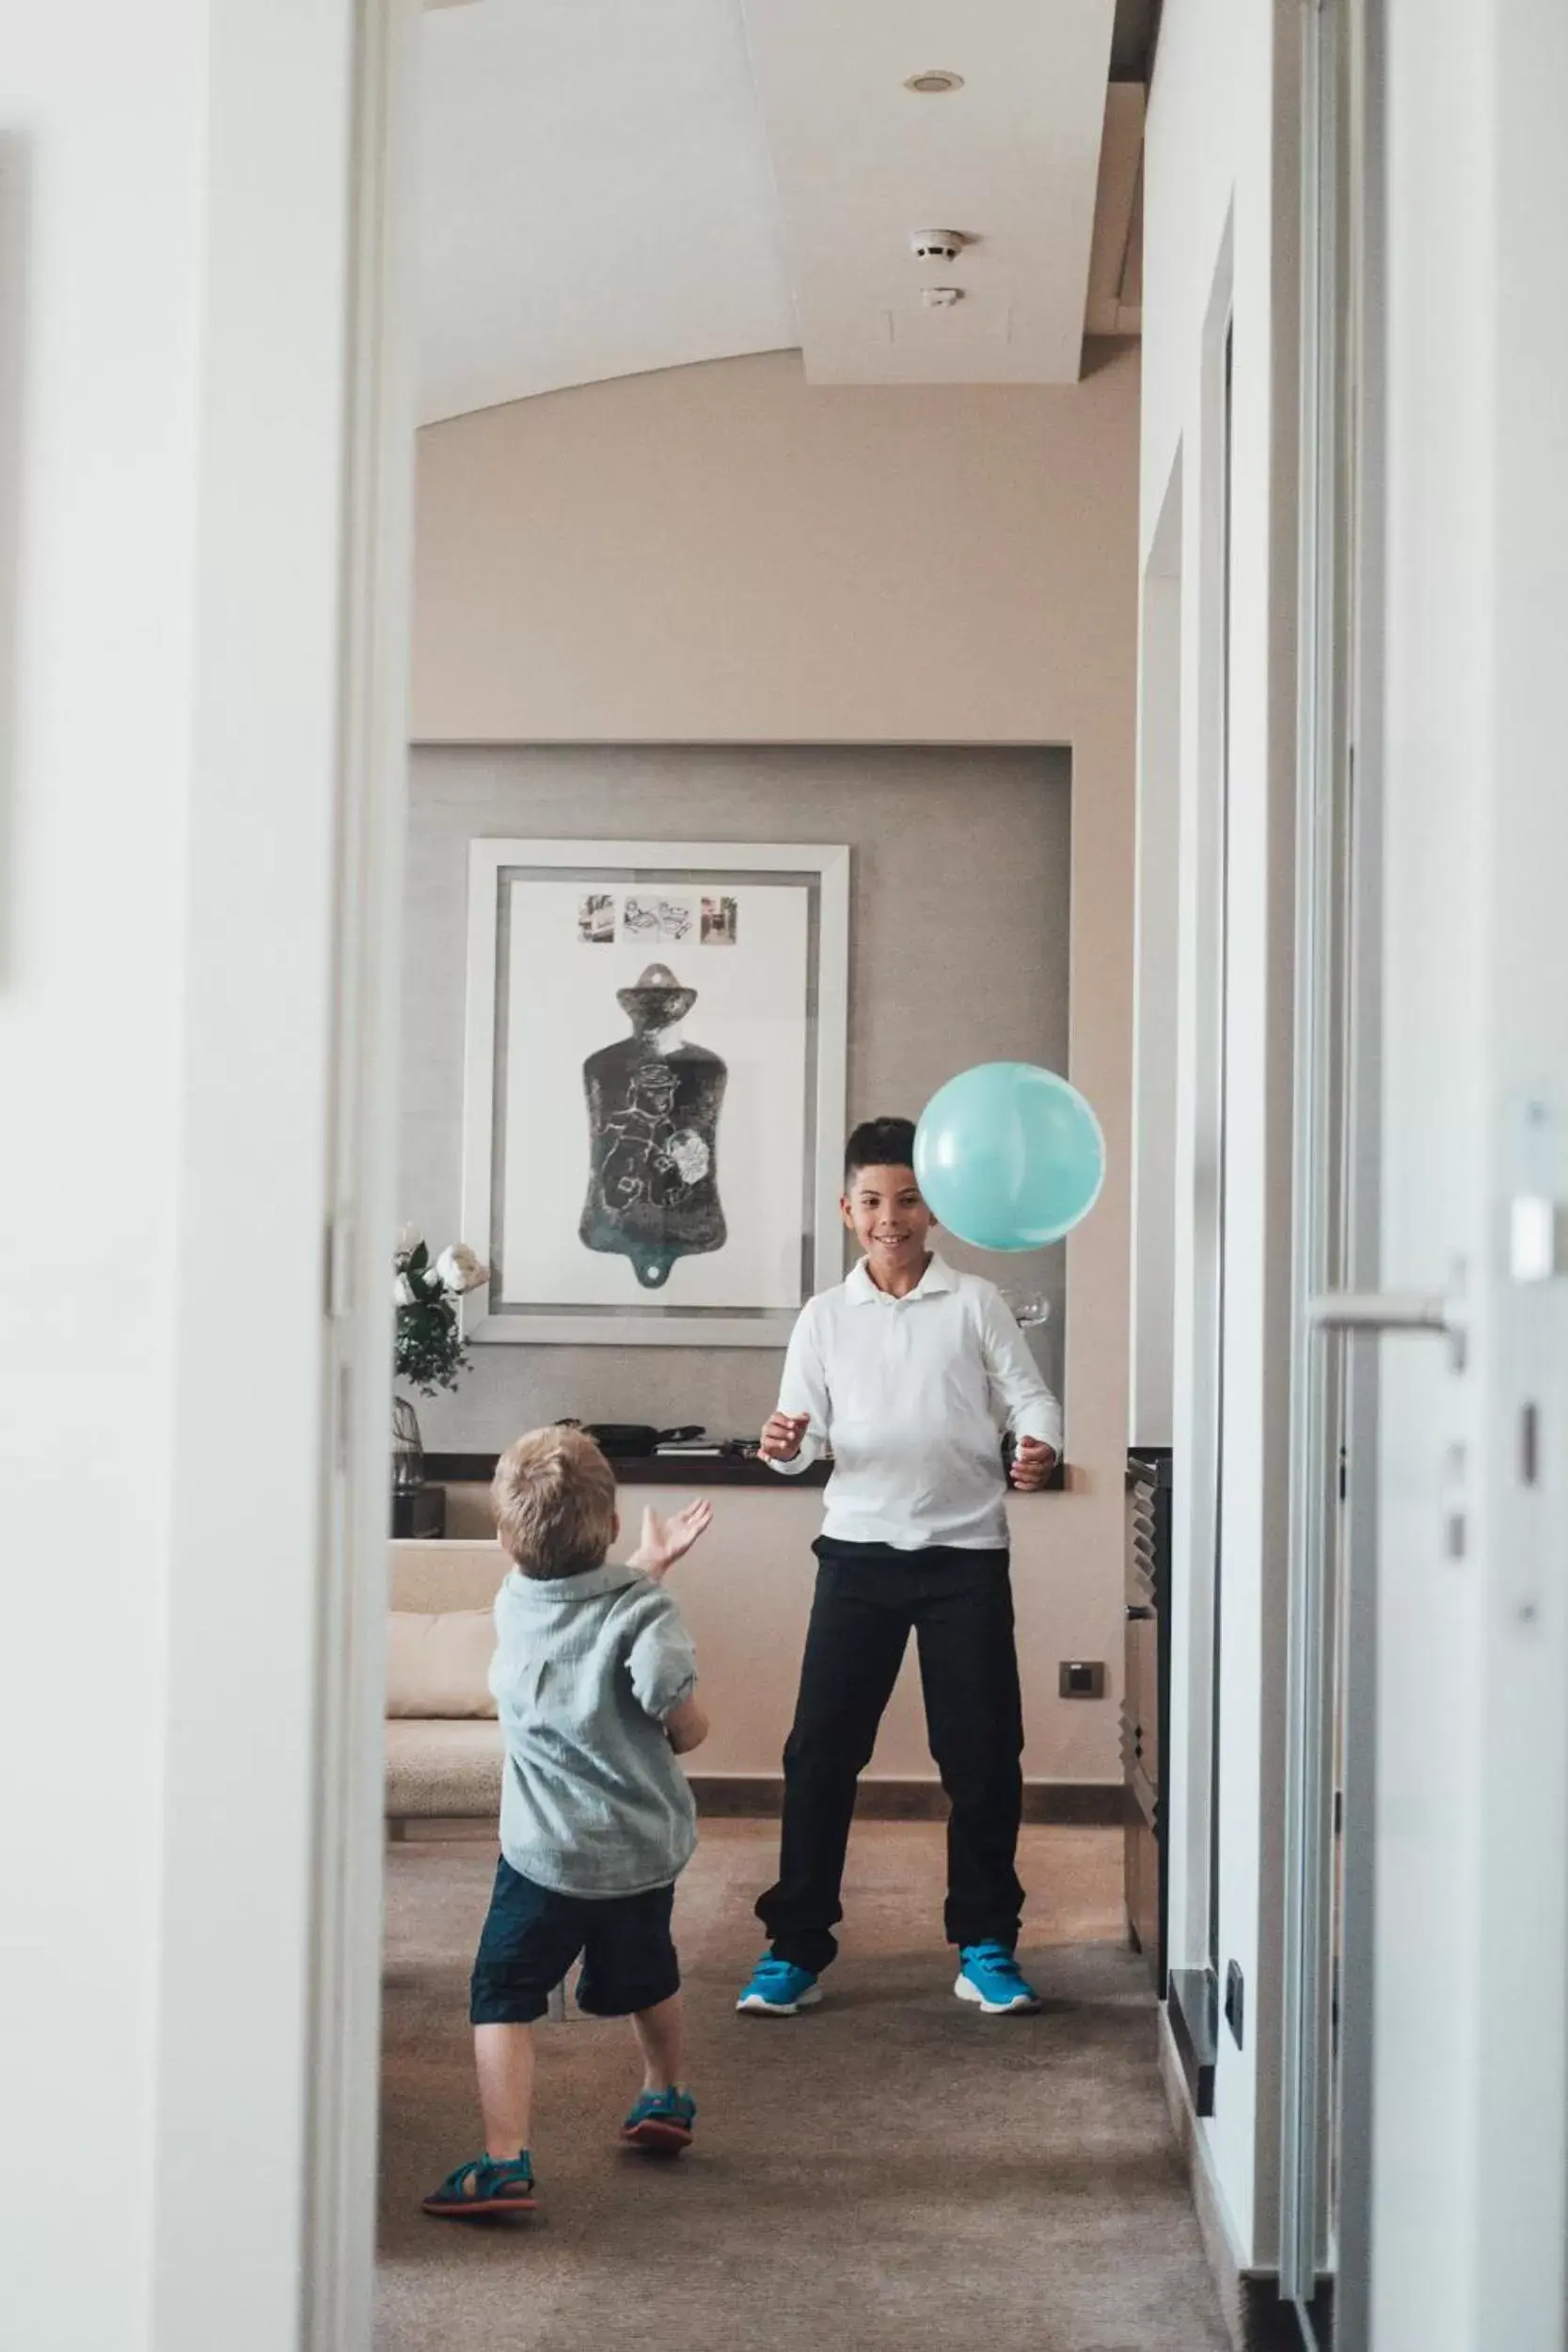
628,591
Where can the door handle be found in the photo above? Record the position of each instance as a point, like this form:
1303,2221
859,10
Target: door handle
1136,1609
1381,1312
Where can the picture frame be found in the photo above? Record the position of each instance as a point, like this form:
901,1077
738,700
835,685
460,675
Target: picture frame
626,1183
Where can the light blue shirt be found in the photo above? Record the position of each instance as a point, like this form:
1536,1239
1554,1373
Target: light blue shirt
586,1670
914,1395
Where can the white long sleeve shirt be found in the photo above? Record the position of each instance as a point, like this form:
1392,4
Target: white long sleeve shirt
914,1395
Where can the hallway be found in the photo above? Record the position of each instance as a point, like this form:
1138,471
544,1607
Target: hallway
890,2170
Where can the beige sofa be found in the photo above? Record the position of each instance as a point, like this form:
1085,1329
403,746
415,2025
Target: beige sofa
444,1750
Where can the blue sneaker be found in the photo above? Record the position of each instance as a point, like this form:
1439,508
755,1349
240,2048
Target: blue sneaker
661,2122
778,1988
990,1977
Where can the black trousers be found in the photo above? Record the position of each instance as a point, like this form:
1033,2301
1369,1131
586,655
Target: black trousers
960,1607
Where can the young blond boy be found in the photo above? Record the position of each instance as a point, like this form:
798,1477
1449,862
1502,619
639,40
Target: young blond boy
595,1677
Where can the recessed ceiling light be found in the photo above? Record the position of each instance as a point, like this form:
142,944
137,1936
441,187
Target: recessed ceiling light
934,84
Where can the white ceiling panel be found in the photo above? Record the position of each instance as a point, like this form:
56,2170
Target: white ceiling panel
1011,159
595,196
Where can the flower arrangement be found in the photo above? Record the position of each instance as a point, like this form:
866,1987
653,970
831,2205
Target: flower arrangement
429,1352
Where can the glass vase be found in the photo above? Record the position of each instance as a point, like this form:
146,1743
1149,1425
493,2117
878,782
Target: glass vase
407,1448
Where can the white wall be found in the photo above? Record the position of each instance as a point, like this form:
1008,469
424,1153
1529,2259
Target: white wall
175,317
1151,1397
1220,199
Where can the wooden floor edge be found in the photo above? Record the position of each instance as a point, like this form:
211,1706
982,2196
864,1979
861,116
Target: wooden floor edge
1064,1803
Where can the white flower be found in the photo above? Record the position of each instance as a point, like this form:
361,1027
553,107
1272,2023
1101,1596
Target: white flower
403,1293
458,1269
409,1238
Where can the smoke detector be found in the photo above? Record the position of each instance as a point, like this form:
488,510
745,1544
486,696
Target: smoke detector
936,245
936,83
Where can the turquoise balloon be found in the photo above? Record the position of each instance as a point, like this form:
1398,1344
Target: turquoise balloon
1008,1156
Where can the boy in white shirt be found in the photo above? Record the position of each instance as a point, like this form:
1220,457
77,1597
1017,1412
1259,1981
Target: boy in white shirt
911,1372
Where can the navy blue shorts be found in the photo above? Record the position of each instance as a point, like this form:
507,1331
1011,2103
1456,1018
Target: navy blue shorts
531,1936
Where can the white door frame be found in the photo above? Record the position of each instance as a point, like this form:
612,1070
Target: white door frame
1469,2175
1322,873
1201,482
343,2062
1333,1590
1363,1208
263,1930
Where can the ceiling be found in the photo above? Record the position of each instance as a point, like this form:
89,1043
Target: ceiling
609,186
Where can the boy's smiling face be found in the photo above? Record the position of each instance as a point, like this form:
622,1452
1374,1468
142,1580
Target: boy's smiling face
884,1210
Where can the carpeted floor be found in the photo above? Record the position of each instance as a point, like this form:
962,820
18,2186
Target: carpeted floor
889,2171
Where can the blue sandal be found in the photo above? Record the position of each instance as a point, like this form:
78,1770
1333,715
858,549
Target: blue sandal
485,2186
660,2122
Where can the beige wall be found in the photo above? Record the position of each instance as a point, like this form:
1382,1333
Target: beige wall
720,554
745,1595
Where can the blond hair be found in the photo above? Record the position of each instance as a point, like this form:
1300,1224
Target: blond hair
555,1502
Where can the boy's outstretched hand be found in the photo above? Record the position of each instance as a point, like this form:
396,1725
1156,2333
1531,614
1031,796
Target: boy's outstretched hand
1032,1464
667,1540
783,1434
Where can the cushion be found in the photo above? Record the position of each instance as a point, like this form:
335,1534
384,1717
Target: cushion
439,1665
450,1771
427,1574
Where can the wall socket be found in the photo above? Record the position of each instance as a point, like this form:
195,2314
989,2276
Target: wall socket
1081,1678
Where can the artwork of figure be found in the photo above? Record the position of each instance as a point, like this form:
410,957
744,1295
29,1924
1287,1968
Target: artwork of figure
653,1133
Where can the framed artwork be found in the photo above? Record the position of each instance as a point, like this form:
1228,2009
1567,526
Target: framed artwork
654,1088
